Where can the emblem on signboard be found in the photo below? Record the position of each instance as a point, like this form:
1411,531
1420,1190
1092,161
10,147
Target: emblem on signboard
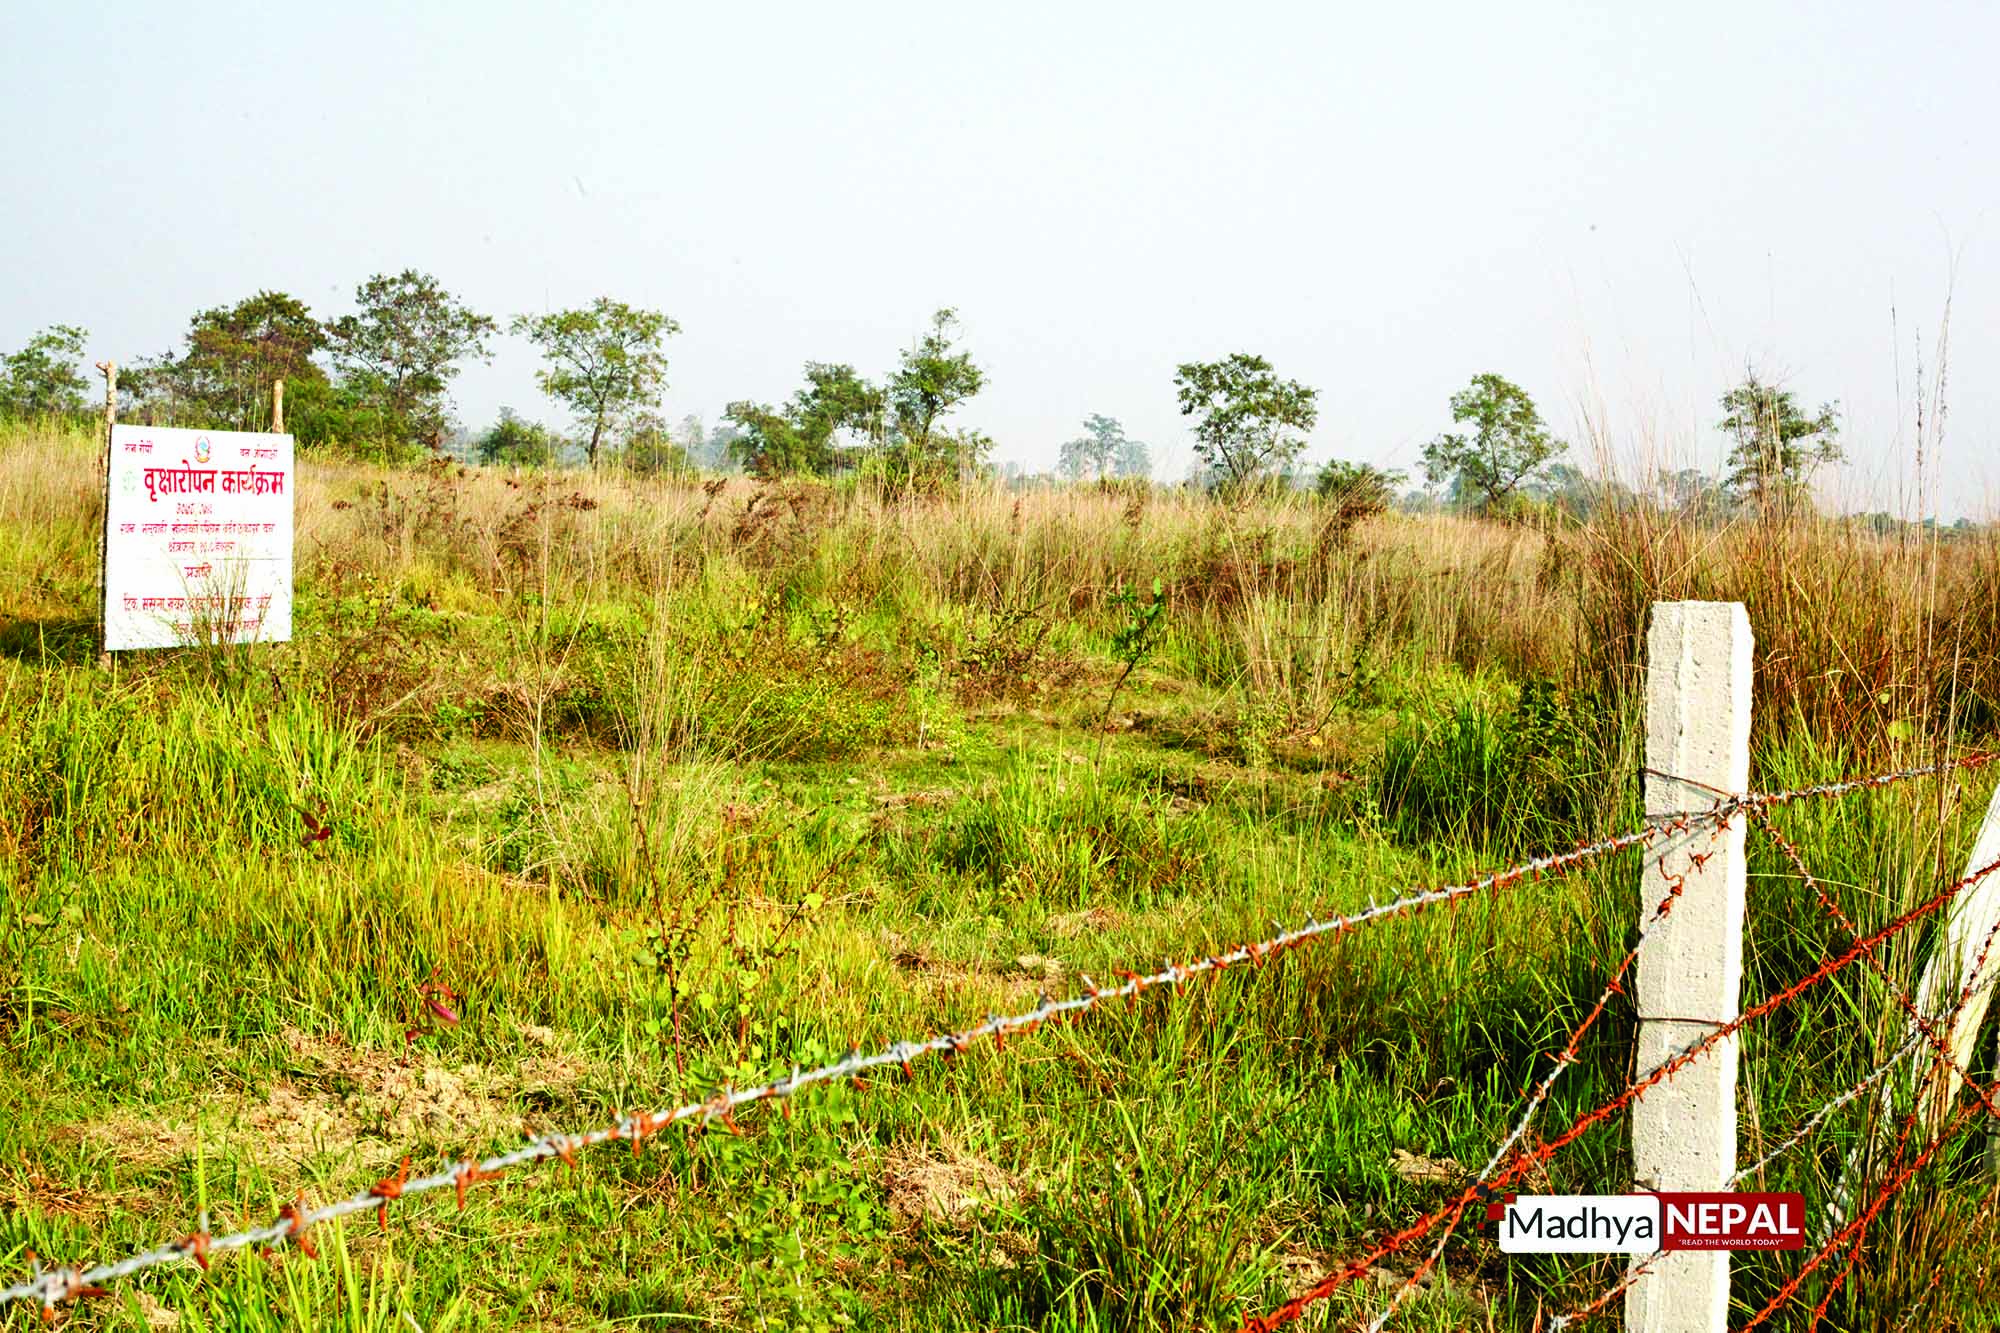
201,449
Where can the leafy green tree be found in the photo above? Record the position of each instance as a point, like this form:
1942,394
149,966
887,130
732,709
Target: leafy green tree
1777,444
803,437
1104,451
770,444
1361,484
43,378
513,441
1354,491
933,379
1251,423
650,449
1508,443
222,378
397,354
603,361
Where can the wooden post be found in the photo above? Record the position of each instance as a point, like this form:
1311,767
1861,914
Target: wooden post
109,369
277,407
1690,966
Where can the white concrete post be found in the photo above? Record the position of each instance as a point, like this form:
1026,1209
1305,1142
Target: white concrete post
1973,916
1690,966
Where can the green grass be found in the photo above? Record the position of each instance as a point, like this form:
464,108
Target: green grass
674,793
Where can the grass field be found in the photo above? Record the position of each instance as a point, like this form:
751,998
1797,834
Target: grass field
675,785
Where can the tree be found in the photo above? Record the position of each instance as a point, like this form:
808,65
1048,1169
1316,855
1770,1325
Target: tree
1103,452
768,443
803,437
399,352
650,449
1252,424
1690,491
222,380
1777,444
1359,484
43,379
718,447
1354,491
933,379
1135,460
1508,443
514,441
603,360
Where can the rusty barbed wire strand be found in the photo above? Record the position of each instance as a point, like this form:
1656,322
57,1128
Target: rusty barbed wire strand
1897,991
1888,1191
1396,1241
1615,985
1974,985
1759,812
57,1285
1840,786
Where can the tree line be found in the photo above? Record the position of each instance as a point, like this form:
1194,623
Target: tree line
376,383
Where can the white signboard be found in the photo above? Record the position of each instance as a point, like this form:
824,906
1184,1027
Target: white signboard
197,538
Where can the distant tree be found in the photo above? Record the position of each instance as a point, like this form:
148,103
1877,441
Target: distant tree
1135,460
1359,483
1251,423
1569,492
836,399
1354,491
803,436
603,361
43,379
222,378
1092,454
1508,444
1777,444
768,443
648,448
932,380
718,450
517,442
1691,491
398,353
1103,451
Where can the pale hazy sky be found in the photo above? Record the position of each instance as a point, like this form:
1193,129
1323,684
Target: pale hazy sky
1610,204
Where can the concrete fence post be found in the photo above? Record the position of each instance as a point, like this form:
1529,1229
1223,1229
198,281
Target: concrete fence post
1927,1078
1690,965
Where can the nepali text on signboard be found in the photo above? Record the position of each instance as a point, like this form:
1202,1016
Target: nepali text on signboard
197,538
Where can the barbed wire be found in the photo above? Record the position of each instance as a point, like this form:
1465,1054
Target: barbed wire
1810,1126
1853,1229
1614,986
55,1286
1924,1031
1861,947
